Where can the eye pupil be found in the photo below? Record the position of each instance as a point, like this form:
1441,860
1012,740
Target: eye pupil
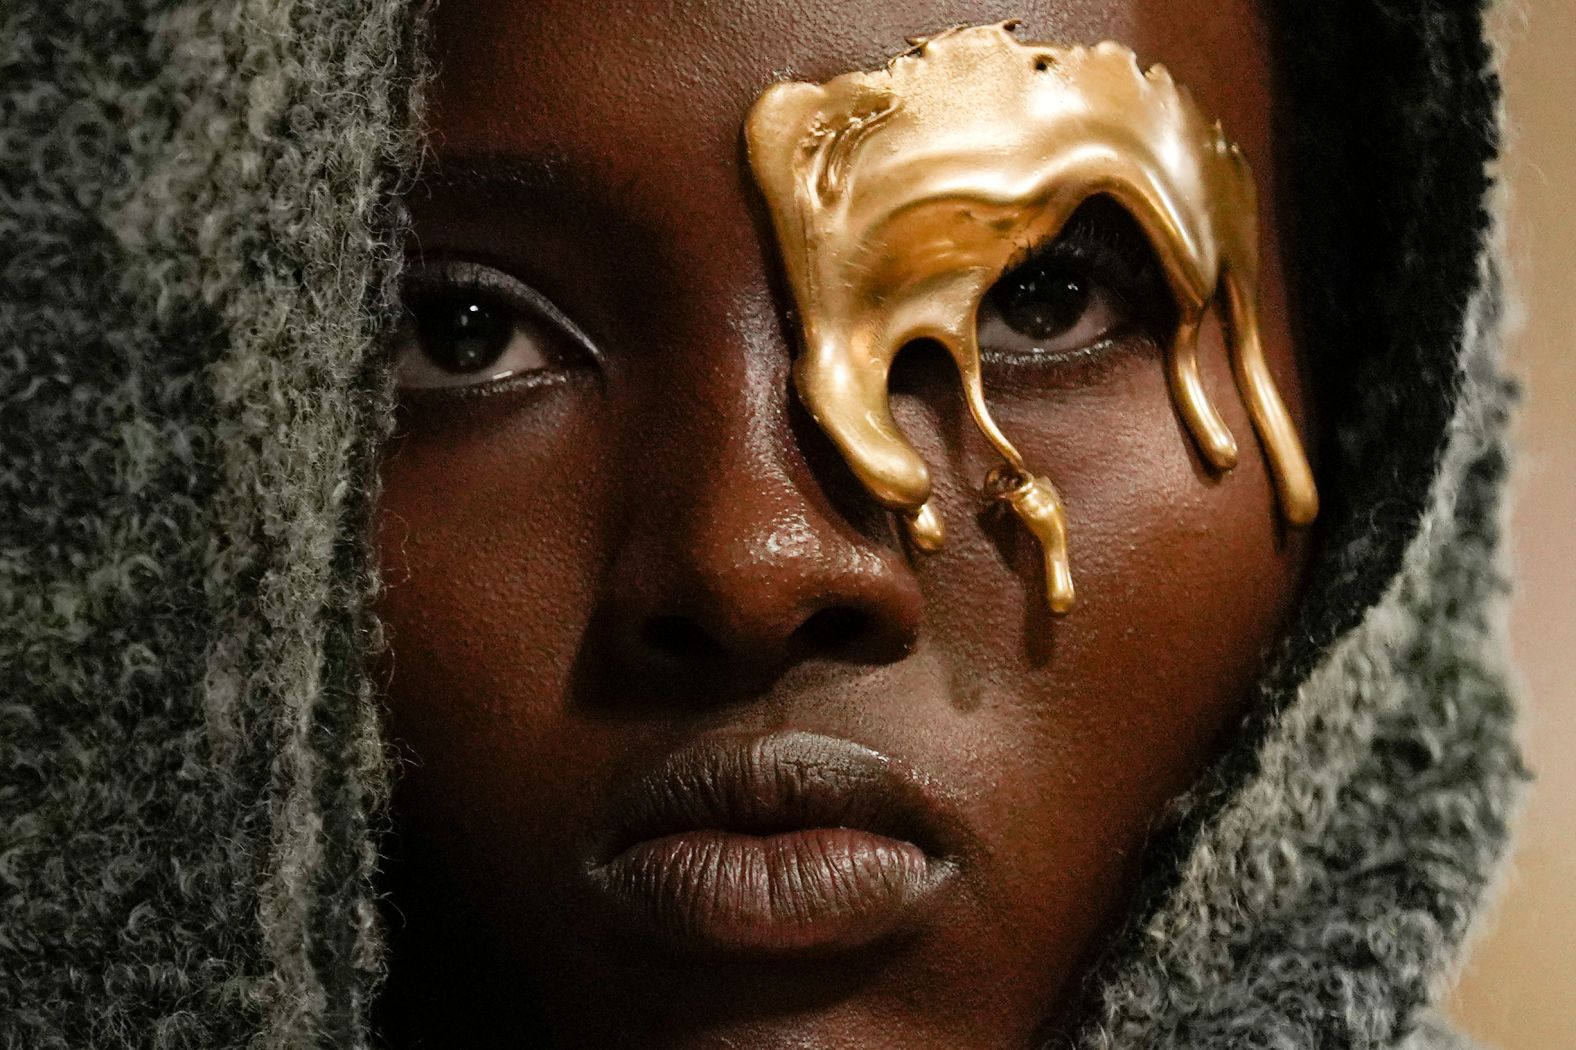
462,335
1042,303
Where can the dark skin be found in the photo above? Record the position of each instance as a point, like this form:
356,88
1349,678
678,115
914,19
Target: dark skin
533,533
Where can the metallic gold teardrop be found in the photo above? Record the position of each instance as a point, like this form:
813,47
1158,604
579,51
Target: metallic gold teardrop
926,530
1035,500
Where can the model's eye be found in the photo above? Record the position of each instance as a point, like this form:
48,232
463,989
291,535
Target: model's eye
460,339
469,325
1043,307
1097,280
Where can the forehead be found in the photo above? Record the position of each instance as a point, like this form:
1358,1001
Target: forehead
661,87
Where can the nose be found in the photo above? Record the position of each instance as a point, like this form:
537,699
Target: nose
756,578
738,556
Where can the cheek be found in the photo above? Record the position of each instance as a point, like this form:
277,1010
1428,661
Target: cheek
1184,579
1162,547
487,529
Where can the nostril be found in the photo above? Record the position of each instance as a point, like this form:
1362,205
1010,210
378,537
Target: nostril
833,629
679,637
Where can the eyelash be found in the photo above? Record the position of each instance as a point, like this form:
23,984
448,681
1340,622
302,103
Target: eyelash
461,277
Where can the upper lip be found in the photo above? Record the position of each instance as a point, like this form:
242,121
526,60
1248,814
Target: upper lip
783,782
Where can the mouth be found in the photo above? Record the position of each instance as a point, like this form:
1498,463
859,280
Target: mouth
792,843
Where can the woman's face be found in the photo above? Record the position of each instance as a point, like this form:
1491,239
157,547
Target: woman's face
652,646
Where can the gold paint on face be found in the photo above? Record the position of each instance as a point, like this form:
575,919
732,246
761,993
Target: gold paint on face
900,196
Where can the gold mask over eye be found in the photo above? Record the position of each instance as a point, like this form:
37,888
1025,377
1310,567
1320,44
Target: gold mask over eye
900,196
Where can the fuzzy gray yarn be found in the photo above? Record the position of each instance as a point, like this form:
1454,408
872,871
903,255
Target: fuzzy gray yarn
196,241
196,246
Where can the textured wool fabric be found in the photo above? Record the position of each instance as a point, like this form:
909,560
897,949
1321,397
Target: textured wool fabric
197,247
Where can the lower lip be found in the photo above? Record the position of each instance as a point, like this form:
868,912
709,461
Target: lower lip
809,891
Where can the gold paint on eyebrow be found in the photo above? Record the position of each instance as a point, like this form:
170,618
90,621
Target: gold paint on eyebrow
900,196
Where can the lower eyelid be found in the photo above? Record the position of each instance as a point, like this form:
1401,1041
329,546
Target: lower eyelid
1040,358
521,382
1069,369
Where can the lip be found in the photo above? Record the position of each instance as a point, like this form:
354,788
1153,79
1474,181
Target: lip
792,843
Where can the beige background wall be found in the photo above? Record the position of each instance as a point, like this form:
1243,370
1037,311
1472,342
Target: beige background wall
1519,988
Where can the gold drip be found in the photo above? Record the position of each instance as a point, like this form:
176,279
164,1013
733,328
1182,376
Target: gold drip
900,196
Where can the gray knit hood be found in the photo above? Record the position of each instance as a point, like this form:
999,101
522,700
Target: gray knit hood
198,242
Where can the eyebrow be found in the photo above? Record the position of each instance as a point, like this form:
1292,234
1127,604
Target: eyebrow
532,175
